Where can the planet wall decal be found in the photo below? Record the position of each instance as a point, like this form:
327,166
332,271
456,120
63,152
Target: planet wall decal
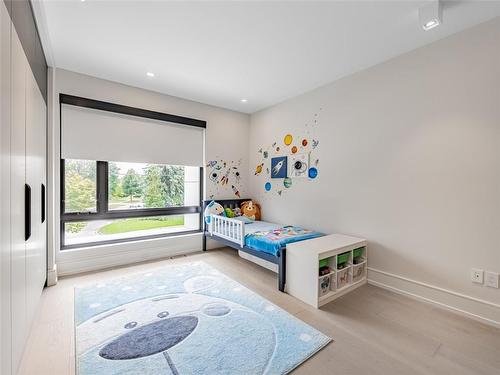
288,139
287,182
258,169
313,173
304,142
294,149
267,186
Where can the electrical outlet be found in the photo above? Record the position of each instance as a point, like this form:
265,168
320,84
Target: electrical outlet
477,276
491,279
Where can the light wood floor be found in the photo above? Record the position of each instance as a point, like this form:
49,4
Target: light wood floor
375,331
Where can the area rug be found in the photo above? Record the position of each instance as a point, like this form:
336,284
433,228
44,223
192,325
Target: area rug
186,319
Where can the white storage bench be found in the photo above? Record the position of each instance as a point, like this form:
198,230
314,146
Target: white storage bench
344,257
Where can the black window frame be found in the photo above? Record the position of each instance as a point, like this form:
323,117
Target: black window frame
102,167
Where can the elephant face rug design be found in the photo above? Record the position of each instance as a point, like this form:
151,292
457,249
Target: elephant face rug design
186,319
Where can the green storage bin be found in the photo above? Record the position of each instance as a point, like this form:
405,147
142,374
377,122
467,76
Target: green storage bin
323,263
358,252
342,258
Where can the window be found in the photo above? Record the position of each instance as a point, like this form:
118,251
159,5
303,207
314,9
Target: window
80,186
127,173
107,202
84,232
141,185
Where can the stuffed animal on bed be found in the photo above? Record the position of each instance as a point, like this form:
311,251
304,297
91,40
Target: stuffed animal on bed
229,212
232,212
213,208
251,210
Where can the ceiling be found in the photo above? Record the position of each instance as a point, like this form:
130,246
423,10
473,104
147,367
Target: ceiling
221,52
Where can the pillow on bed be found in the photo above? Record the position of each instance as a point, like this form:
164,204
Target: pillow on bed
244,219
213,208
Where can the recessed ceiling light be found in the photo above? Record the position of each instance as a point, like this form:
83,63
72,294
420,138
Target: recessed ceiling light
431,24
430,15
150,74
244,100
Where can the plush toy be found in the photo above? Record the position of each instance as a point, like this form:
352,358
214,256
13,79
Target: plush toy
237,211
213,208
251,210
229,212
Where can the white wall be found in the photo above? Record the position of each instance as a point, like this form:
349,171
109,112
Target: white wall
409,159
226,136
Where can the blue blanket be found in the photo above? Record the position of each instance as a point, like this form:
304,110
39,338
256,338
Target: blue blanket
271,241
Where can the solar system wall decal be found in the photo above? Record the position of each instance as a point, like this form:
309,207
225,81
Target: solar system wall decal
224,176
289,158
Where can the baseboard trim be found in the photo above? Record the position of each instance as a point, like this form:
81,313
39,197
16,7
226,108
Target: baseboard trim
475,308
52,276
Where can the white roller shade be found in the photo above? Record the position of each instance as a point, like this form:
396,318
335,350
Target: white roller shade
92,134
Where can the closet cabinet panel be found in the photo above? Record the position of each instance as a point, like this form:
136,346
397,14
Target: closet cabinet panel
42,218
23,125
41,127
5,261
35,170
18,167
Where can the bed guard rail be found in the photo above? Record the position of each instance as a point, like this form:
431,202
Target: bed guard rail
230,229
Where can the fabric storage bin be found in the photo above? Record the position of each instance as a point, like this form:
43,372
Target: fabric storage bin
324,285
342,277
358,271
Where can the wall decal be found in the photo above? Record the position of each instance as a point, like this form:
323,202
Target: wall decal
299,165
291,160
313,173
236,191
224,176
258,169
279,167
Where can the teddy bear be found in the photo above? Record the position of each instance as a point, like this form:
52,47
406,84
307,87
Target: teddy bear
251,210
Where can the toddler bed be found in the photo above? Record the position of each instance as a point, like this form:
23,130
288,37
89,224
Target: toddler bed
260,239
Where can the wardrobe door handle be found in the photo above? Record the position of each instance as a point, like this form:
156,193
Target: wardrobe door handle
43,203
27,212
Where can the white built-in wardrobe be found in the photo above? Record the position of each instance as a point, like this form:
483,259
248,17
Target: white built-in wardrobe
23,181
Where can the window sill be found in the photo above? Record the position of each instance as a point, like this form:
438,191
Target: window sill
99,256
120,241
